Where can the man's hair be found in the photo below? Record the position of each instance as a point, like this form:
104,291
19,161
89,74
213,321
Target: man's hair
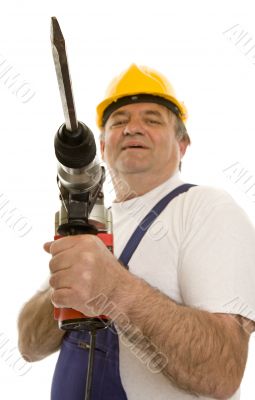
181,130
181,133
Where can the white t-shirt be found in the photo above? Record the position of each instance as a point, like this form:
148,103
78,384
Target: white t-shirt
200,252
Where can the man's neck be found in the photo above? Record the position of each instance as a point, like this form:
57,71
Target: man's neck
135,185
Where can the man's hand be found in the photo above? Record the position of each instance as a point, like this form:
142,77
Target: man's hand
82,268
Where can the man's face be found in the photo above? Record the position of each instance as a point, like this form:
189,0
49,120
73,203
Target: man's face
140,138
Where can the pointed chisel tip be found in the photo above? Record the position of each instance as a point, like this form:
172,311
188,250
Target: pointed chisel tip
56,34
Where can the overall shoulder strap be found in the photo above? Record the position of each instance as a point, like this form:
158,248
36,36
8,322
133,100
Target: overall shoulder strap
142,228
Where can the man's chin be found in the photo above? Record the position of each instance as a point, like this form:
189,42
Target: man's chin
133,169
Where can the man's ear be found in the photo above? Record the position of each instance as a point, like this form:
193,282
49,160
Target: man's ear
183,144
102,146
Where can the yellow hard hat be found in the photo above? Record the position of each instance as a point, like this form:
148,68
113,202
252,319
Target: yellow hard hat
139,84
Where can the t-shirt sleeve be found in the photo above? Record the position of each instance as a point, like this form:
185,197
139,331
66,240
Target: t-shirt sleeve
217,261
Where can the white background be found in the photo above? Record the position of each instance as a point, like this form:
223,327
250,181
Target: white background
185,41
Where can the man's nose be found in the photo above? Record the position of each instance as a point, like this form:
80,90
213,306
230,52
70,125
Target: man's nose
133,127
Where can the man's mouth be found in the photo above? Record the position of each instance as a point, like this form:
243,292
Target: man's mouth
134,146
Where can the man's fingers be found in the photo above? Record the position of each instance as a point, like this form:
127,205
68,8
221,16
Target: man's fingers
62,279
46,246
59,245
62,298
64,243
68,242
62,261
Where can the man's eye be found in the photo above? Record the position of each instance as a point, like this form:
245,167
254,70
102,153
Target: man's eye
118,123
153,121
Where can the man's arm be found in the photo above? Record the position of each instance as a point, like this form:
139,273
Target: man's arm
206,352
39,335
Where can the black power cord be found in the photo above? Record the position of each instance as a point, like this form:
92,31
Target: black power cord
90,364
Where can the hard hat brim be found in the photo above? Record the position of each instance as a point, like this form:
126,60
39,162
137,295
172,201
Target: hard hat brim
106,107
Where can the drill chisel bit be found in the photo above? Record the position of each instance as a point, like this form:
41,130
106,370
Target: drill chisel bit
63,75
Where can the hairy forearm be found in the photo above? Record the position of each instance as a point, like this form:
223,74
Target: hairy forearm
39,334
202,350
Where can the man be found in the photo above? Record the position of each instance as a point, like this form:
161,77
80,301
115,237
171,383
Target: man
188,280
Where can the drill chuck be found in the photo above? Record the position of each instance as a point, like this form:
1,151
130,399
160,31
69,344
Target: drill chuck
78,168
